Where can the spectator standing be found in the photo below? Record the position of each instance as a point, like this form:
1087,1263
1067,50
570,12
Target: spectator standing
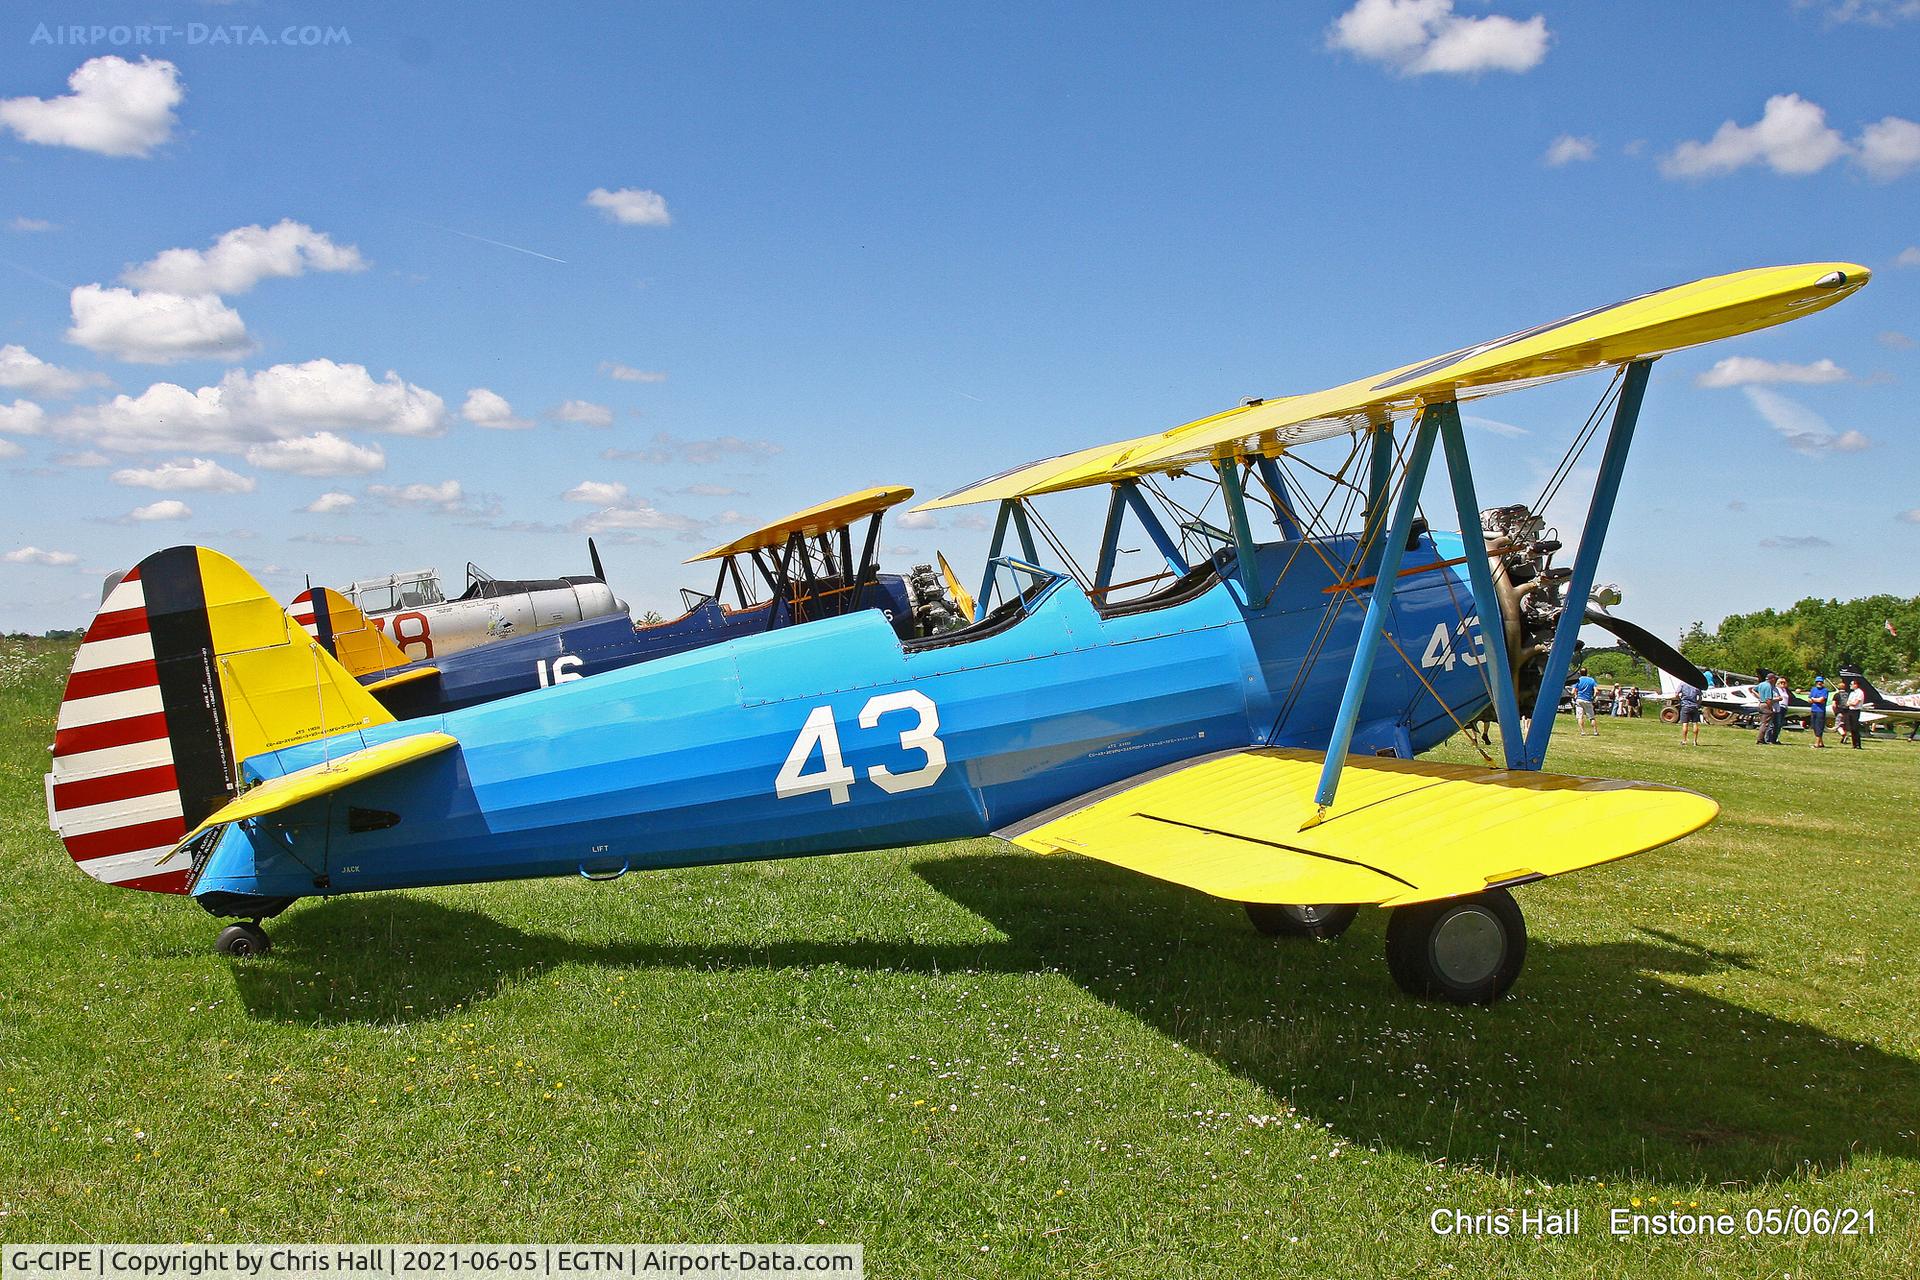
1763,699
1817,718
1856,702
1689,707
1583,691
1782,696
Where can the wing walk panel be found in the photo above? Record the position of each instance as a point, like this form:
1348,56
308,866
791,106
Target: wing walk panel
1404,831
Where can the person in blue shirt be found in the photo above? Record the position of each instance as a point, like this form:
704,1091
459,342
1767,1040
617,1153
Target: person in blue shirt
1763,695
1689,708
1583,690
1817,721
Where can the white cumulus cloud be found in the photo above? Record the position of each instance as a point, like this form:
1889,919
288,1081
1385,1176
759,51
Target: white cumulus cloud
1424,37
1741,371
627,373
117,108
22,418
243,409
1804,430
34,555
633,516
202,475
243,258
154,327
1791,137
584,412
601,493
165,509
331,503
488,409
1909,257
631,206
21,370
1890,148
447,497
1568,149
320,454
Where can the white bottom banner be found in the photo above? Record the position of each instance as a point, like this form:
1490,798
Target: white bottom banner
426,1261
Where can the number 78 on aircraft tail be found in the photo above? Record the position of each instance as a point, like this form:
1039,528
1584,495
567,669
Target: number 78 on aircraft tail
1245,726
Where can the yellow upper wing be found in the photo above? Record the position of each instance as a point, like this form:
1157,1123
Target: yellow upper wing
1403,831
1639,328
825,517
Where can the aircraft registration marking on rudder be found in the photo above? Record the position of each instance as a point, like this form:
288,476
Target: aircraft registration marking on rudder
836,777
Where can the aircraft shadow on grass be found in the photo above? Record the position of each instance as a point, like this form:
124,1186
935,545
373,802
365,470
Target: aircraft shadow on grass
1595,1068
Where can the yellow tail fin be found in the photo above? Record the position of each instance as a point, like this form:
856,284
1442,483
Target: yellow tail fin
339,627
188,669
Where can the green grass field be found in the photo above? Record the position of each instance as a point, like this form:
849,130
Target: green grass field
979,1062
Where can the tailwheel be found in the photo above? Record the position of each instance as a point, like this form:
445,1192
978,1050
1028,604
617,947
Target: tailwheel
244,939
1286,920
1464,950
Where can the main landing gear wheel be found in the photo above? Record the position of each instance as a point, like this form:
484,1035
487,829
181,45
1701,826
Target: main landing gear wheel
245,939
1285,920
1464,950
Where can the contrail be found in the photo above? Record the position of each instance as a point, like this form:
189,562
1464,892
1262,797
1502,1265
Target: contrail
35,275
532,253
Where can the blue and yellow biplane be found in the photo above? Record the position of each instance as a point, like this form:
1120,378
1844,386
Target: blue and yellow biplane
1247,727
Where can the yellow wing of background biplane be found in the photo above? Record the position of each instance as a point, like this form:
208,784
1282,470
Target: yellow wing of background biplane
1650,325
826,517
1403,832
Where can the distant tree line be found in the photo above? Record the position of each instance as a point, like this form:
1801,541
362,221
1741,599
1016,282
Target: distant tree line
1814,637
1616,666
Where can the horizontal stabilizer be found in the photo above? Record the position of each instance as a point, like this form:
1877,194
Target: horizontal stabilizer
316,780
408,676
1403,831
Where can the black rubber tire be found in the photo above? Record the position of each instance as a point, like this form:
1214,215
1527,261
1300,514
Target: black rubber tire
1321,922
1416,961
243,941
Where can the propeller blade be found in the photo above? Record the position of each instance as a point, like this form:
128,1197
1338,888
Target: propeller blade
962,599
1649,646
593,553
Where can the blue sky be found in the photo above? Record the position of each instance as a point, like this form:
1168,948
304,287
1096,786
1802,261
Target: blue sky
838,246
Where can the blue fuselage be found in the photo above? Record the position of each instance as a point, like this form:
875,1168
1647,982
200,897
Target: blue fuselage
835,736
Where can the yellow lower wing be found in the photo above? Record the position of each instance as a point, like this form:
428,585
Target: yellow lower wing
1403,831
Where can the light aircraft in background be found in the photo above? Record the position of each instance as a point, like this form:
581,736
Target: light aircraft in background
1728,696
801,568
1898,708
1245,726
415,614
